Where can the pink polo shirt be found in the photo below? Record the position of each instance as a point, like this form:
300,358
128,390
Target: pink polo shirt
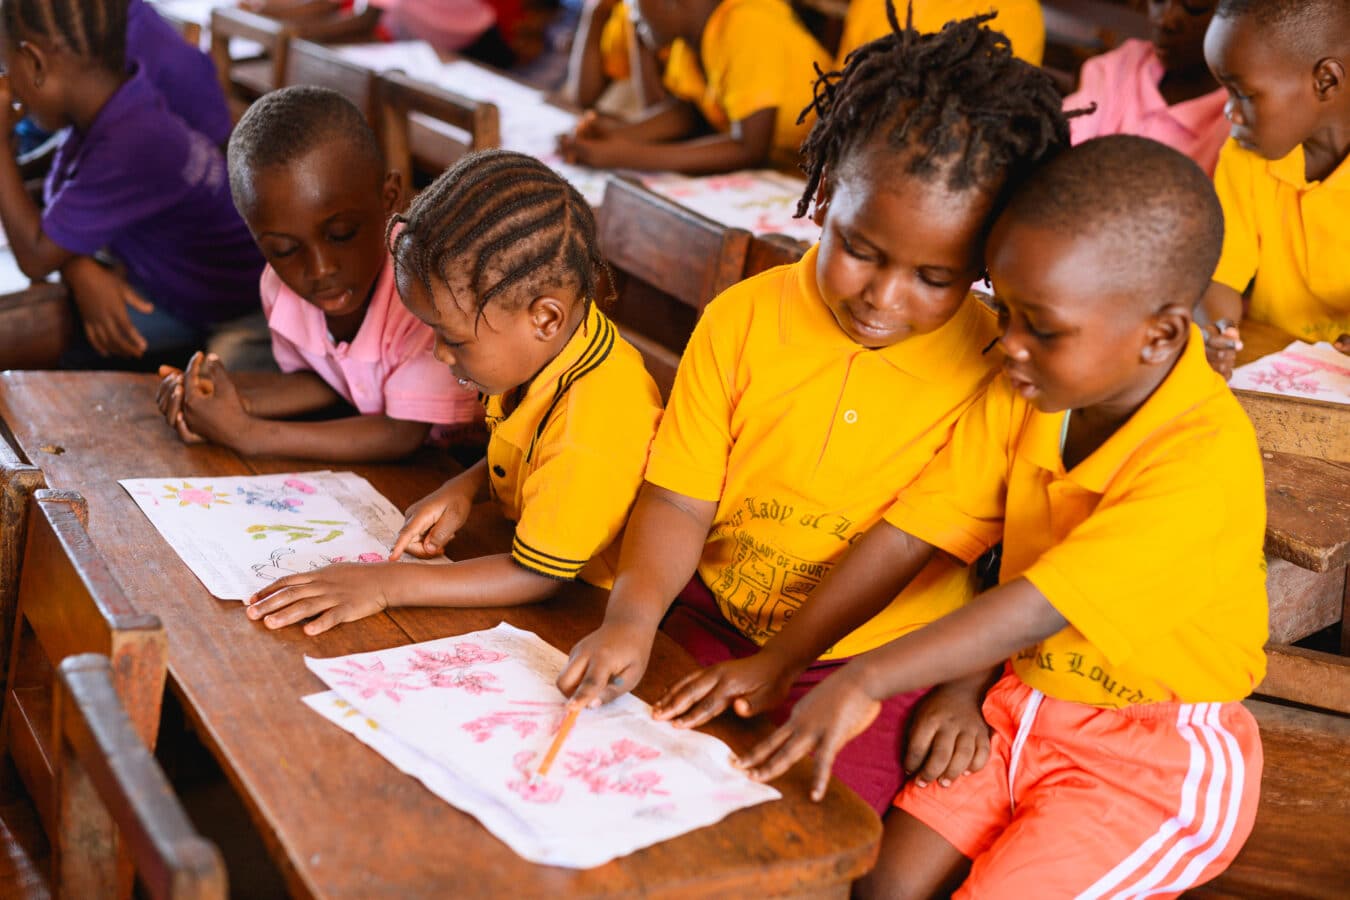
387,369
1124,85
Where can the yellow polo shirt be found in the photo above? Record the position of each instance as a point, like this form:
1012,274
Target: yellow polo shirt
680,73
1291,234
1151,547
803,438
1020,20
756,55
566,463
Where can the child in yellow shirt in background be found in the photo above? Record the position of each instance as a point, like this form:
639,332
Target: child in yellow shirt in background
1283,178
1125,483
758,62
499,257
1020,20
810,394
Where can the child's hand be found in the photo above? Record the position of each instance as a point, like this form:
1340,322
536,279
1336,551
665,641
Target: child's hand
102,297
1342,343
749,685
832,714
338,593
431,523
212,407
1222,343
948,736
591,144
169,399
606,663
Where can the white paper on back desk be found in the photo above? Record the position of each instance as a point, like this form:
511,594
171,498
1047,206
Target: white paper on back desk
471,717
1316,371
241,533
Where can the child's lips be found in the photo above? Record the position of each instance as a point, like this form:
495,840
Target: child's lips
1021,384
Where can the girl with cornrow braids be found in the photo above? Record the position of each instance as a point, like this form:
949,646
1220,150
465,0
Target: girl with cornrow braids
499,257
810,395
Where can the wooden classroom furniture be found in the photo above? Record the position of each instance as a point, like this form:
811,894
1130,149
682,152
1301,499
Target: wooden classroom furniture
37,323
246,80
191,31
70,603
338,819
19,480
768,251
114,795
668,263
314,64
413,144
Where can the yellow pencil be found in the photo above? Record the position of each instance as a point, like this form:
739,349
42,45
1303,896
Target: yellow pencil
563,730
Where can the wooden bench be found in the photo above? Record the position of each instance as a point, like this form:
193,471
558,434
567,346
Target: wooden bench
769,251
117,810
668,262
36,325
69,603
313,64
425,128
246,80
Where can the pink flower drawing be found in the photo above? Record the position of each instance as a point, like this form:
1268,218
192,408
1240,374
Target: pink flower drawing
1287,378
530,789
373,679
616,771
297,484
524,722
450,670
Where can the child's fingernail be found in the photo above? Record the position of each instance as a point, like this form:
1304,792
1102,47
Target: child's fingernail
920,782
945,782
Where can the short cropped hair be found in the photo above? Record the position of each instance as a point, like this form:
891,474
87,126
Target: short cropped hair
1156,207
285,125
1310,26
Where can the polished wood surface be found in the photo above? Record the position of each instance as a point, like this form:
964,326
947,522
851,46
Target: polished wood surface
410,145
340,821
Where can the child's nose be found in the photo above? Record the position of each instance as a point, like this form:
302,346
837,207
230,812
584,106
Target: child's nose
321,264
443,353
1233,111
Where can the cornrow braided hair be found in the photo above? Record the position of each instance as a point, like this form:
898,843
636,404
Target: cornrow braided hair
92,29
958,100
523,223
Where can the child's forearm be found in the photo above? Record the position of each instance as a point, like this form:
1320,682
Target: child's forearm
662,545
352,440
861,585
974,638
585,79
747,147
668,121
37,255
273,395
483,581
473,481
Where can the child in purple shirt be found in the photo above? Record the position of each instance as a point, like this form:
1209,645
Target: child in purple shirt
132,179
184,75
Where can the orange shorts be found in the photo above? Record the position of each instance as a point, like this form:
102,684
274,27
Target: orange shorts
1078,801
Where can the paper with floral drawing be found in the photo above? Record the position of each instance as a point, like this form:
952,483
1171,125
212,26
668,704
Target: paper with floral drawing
1314,371
472,716
239,534
761,201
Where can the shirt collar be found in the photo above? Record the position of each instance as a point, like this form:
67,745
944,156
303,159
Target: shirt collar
1291,168
1190,384
805,320
588,347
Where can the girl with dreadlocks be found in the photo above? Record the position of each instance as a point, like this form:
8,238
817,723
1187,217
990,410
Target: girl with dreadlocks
499,257
132,179
809,395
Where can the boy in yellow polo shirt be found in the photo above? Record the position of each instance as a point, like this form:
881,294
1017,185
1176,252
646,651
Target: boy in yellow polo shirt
1283,178
759,65
499,257
1020,20
810,394
1125,483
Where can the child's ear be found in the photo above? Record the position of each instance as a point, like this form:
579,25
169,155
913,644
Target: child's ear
548,315
823,191
392,192
1167,334
1328,77
37,61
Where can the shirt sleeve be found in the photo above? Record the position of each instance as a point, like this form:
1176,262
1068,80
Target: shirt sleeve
1234,180
123,180
694,441
576,501
1143,561
957,503
749,70
287,355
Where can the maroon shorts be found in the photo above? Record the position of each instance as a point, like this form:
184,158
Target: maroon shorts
869,764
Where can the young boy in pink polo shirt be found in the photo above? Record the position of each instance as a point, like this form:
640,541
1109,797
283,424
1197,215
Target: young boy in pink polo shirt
309,178
1160,89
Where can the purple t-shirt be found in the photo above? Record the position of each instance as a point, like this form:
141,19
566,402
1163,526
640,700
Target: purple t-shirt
154,192
184,75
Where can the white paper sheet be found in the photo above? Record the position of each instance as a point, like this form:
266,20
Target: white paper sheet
1314,371
471,717
762,201
239,534
416,59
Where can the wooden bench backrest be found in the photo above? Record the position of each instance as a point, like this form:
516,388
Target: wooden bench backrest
769,251
315,64
244,82
69,603
114,795
19,480
669,263
36,326
458,125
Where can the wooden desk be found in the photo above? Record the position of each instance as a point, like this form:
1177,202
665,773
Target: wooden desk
339,820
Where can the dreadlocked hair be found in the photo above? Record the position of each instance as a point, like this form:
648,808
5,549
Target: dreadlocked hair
958,100
93,29
523,223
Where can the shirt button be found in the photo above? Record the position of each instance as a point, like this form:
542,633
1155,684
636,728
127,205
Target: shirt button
850,416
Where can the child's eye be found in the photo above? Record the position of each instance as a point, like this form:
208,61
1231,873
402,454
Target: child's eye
341,235
282,252
934,280
852,250
1040,333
